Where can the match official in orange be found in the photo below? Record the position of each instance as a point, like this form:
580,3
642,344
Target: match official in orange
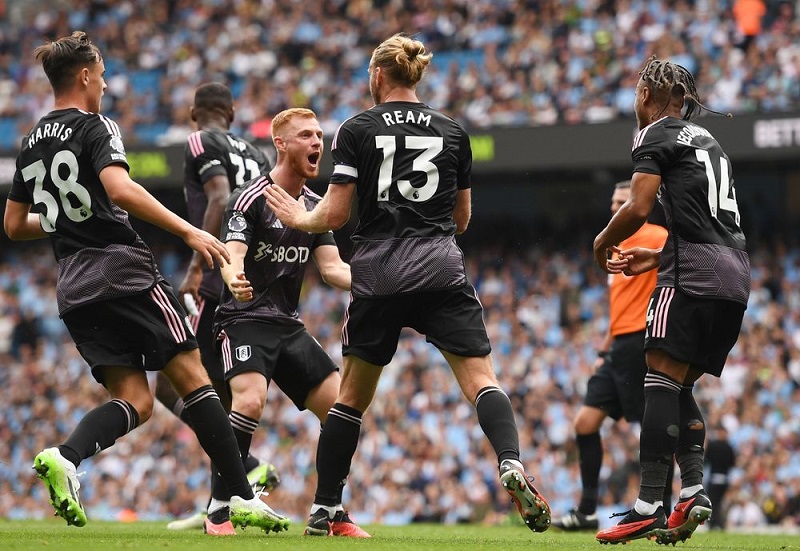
616,389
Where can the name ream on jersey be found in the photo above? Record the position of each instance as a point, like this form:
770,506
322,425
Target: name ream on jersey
410,117
50,130
690,132
281,254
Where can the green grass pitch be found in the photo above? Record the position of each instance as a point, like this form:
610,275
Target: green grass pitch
56,535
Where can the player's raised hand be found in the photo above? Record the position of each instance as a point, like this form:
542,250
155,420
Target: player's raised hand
288,209
240,287
208,246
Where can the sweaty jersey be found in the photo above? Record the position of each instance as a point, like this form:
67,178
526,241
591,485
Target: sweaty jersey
408,162
210,153
629,295
705,252
99,254
275,261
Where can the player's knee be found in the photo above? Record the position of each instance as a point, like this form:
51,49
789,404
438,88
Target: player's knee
588,421
144,407
250,404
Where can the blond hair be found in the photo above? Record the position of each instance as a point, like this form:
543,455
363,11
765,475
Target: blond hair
404,59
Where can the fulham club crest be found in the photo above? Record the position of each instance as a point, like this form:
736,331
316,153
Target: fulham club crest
243,353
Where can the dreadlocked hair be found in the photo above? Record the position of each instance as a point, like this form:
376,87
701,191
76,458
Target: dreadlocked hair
676,83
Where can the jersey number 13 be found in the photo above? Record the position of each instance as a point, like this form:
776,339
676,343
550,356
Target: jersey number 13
429,147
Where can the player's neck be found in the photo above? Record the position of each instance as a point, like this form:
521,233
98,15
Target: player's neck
212,124
287,179
70,101
400,94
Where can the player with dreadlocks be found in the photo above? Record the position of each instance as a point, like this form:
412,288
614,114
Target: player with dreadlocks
703,283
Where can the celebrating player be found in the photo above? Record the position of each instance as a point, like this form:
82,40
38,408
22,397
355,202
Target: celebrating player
261,336
72,184
695,313
410,167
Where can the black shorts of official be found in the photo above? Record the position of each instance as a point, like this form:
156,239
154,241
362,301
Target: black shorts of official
696,330
202,326
286,354
617,387
143,331
451,320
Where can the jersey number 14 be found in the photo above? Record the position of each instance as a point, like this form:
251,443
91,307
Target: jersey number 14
718,198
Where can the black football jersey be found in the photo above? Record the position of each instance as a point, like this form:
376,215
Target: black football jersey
99,254
408,162
212,153
276,258
705,251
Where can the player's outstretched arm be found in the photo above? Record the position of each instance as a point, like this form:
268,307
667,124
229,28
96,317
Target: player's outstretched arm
629,218
132,197
635,261
332,268
20,224
331,213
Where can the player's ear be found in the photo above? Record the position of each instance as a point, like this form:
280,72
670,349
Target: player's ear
84,76
231,114
192,114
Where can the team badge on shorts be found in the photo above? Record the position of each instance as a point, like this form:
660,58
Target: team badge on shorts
243,353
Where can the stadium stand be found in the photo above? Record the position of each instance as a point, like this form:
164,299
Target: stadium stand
497,63
545,313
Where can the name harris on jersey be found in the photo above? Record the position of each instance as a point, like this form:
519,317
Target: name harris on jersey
50,130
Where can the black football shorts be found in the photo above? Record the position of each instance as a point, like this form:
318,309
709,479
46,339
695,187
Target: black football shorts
143,331
451,320
692,329
617,387
286,354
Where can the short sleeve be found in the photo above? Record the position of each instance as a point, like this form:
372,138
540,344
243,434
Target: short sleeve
344,152
205,156
19,191
652,150
240,225
323,239
104,144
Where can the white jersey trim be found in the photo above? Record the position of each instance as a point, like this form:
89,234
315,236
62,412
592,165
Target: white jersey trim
346,170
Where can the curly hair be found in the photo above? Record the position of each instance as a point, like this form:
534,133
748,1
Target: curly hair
670,82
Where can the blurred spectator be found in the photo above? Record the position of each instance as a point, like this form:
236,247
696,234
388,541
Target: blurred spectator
748,14
543,355
720,459
495,63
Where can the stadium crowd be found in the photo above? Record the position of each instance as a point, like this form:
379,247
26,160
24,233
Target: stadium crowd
546,315
497,62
